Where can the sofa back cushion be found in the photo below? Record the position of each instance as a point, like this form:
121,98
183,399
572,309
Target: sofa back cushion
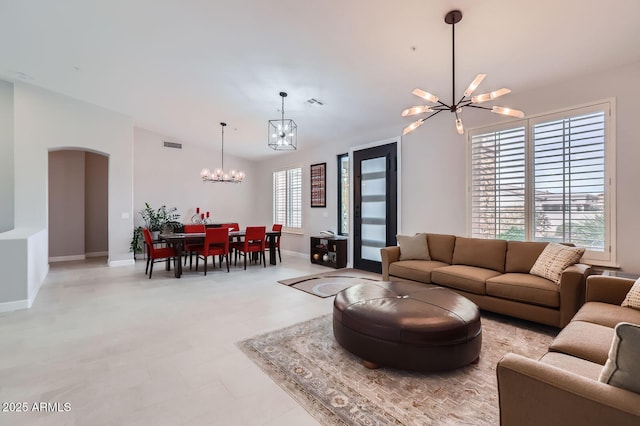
522,255
489,254
441,247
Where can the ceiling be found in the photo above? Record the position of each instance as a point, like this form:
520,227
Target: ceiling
179,67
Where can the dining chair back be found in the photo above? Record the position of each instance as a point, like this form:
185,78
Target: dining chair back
157,254
190,246
254,242
216,243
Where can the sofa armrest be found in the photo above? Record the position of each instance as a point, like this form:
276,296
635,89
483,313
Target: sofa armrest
607,289
534,393
389,255
572,284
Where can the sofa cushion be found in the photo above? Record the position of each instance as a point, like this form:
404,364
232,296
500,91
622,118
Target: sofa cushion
606,314
415,270
441,247
467,278
489,254
522,255
578,366
632,299
413,247
524,288
622,368
584,340
554,259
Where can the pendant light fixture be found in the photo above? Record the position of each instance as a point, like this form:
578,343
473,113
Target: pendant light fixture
452,18
283,133
219,175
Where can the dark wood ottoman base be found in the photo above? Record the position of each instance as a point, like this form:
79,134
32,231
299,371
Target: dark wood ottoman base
408,326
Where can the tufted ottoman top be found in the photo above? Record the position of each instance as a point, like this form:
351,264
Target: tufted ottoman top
408,313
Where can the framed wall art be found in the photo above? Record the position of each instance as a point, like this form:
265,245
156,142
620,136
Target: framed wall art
318,185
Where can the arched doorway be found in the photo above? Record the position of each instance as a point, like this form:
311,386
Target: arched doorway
78,204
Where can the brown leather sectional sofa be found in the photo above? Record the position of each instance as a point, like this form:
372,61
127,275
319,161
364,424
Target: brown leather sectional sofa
494,274
562,387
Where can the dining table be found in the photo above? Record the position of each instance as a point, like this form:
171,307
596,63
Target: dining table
177,239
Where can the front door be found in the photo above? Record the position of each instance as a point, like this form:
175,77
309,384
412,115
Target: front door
375,204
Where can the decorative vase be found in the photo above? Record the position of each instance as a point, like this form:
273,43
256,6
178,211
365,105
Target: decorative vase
316,256
325,257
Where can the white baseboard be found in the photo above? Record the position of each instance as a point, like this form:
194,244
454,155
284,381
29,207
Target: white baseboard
128,262
67,258
295,253
97,254
14,305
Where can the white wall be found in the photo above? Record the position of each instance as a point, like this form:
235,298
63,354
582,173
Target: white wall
434,163
63,122
45,121
6,157
171,177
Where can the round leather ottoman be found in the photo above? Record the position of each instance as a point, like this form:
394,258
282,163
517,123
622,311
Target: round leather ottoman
407,325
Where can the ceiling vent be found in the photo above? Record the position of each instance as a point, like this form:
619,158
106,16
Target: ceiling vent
314,101
173,145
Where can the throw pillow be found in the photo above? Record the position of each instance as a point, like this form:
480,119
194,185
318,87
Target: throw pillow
413,248
632,300
622,369
554,259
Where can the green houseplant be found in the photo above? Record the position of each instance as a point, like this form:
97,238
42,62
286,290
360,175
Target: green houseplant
156,220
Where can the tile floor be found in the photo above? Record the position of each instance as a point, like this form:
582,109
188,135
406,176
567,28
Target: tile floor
125,350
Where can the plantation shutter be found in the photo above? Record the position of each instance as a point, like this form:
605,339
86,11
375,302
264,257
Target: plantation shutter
569,179
287,197
498,172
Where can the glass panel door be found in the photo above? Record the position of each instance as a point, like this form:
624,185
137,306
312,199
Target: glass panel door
375,204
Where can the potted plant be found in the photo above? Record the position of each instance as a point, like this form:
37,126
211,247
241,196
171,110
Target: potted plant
163,219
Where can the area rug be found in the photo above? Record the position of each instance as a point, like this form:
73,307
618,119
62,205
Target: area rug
336,389
330,283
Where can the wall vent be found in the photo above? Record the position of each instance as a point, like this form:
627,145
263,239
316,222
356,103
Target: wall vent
173,145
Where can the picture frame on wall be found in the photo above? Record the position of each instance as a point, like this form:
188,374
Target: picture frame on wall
318,185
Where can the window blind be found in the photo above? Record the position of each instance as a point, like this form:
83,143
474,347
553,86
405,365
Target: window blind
547,178
498,184
287,197
569,180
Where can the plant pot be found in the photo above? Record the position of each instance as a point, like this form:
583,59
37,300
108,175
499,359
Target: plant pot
155,235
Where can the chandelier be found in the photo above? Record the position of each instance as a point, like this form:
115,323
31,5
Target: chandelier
452,18
283,134
219,175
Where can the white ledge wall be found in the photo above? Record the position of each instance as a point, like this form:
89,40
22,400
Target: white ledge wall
43,121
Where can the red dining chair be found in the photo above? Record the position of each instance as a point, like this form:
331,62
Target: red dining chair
276,228
190,246
157,254
216,243
232,227
254,242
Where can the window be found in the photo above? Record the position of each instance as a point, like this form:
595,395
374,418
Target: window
343,194
287,197
546,178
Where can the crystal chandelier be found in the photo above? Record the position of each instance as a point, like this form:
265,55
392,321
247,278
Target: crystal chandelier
452,18
219,175
283,134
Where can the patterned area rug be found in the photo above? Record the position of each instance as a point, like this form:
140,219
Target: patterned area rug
328,284
333,385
